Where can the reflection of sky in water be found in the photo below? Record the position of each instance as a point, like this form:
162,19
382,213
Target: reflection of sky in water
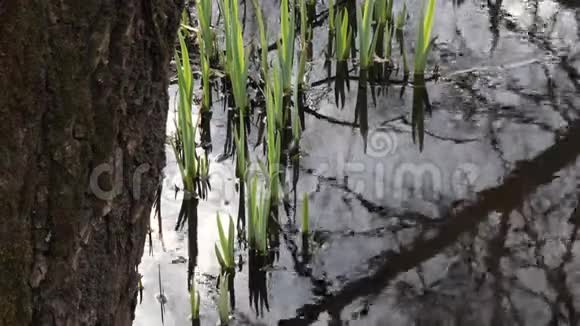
174,276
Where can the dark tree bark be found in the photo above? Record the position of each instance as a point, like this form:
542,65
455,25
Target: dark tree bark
83,89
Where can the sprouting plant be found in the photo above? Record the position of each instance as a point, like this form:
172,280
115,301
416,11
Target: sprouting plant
367,42
263,38
388,42
259,212
305,35
331,34
286,45
343,36
240,140
275,112
205,75
184,144
383,11
225,251
194,302
401,18
275,122
202,179
236,59
296,125
305,215
223,303
204,16
331,16
385,23
185,24
424,41
193,168
400,24
274,99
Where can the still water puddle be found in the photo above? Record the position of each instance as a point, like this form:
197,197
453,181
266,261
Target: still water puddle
479,228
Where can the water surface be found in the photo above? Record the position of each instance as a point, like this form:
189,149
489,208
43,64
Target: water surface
480,228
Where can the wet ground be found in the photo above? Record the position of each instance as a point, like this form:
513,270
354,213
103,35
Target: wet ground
480,228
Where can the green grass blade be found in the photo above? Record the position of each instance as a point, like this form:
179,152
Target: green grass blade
343,36
331,16
223,301
423,37
231,243
222,238
263,38
194,302
428,22
220,258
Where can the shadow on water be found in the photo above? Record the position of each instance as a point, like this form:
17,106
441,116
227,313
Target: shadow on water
420,105
505,197
205,126
258,282
341,81
188,213
361,108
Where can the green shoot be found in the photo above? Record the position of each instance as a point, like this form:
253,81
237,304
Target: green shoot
194,301
223,303
305,35
185,25
424,41
202,179
343,36
205,74
236,60
275,101
367,42
205,35
286,45
305,216
263,38
259,212
385,23
225,251
275,123
331,16
296,125
383,11
204,16
402,18
401,21
184,145
388,42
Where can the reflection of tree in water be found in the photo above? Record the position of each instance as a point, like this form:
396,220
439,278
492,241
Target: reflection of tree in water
508,257
258,282
516,270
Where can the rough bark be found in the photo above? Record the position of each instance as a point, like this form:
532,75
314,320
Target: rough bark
83,88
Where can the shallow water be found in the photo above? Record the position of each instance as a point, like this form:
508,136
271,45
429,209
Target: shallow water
480,228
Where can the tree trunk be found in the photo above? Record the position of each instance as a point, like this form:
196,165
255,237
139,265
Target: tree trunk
83,104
